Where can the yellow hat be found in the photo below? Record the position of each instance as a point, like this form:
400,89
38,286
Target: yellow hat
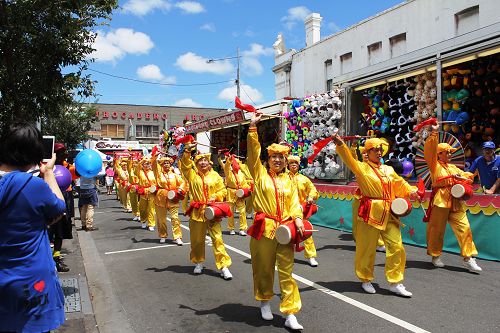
200,156
166,159
294,158
445,147
374,143
145,160
278,149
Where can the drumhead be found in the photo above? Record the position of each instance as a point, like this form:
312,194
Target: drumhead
209,213
171,194
457,191
399,206
283,235
240,193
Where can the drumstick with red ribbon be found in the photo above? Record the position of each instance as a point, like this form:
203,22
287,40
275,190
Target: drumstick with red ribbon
430,121
190,139
250,108
421,192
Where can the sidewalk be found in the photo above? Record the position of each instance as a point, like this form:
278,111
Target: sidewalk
78,307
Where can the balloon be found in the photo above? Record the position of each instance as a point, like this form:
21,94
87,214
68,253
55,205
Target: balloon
88,163
407,168
63,176
108,158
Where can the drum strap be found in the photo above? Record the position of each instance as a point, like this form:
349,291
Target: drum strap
365,201
193,205
256,230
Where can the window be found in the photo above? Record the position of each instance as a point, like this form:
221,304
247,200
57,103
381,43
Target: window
467,20
398,45
147,131
346,63
114,131
374,53
328,74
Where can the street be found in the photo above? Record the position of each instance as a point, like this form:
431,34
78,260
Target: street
139,285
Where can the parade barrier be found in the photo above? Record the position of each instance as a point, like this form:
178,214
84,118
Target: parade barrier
483,212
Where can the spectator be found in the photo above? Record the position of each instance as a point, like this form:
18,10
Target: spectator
110,173
31,298
488,167
87,201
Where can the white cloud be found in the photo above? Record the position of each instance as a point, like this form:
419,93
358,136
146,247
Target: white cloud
153,73
229,93
333,27
249,33
208,27
258,50
143,7
114,45
295,14
190,7
188,102
250,62
191,62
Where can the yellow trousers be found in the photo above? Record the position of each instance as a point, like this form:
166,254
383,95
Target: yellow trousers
309,248
185,203
197,233
87,216
161,215
147,210
366,244
459,224
124,198
355,207
240,206
134,203
249,204
266,253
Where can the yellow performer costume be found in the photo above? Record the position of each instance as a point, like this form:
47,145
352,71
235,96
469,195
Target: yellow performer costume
146,199
235,179
121,169
379,185
248,200
445,208
166,180
205,185
275,201
307,193
132,194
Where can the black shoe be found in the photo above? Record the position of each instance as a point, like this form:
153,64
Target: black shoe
91,229
60,265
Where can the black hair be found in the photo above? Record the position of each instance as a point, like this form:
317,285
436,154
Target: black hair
21,144
396,165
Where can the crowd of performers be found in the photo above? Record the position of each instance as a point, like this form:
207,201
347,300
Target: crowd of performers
152,189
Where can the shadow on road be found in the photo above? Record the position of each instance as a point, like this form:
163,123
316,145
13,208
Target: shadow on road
337,247
429,266
132,227
346,237
240,313
184,270
151,241
347,286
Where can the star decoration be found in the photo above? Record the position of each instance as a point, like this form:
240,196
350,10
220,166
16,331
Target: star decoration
411,232
341,220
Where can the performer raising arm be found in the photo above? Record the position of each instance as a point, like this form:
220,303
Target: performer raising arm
443,207
379,185
275,202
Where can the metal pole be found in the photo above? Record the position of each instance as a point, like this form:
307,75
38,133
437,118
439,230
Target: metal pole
238,94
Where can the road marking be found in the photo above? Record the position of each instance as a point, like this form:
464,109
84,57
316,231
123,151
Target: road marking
144,248
360,305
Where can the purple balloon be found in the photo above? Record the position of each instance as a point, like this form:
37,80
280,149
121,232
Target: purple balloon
407,168
63,176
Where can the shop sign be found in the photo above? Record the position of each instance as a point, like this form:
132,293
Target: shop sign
131,115
215,122
116,144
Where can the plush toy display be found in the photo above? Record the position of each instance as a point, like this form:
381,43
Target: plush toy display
310,120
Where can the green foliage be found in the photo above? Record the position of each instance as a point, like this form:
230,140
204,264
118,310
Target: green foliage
44,50
71,126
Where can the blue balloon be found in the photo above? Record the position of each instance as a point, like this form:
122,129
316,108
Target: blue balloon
88,163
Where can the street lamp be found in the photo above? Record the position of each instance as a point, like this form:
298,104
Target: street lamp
237,57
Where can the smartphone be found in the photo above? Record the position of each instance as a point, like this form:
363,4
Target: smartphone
48,147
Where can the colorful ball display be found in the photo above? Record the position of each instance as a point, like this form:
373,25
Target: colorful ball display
63,176
407,168
88,163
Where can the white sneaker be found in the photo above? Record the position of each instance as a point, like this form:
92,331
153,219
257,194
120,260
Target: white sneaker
312,262
249,216
381,248
137,218
162,240
232,232
265,310
292,323
151,228
368,287
437,262
179,242
242,233
400,290
144,225
198,268
472,266
226,274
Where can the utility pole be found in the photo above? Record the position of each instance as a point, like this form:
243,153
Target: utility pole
238,94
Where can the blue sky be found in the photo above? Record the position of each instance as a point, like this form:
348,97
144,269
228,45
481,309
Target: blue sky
169,42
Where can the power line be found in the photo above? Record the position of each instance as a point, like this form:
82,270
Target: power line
159,83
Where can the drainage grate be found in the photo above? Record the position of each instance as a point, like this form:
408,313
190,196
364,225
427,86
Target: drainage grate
71,295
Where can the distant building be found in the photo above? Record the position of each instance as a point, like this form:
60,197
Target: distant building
143,123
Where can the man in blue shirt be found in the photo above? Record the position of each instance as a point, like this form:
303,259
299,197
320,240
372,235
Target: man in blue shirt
488,167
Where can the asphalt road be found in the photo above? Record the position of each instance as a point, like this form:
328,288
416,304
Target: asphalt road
139,285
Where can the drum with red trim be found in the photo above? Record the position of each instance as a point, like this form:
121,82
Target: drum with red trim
140,190
217,210
152,189
401,207
462,191
243,193
309,210
176,195
287,233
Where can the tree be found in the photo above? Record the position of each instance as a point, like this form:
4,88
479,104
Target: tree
72,125
39,40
